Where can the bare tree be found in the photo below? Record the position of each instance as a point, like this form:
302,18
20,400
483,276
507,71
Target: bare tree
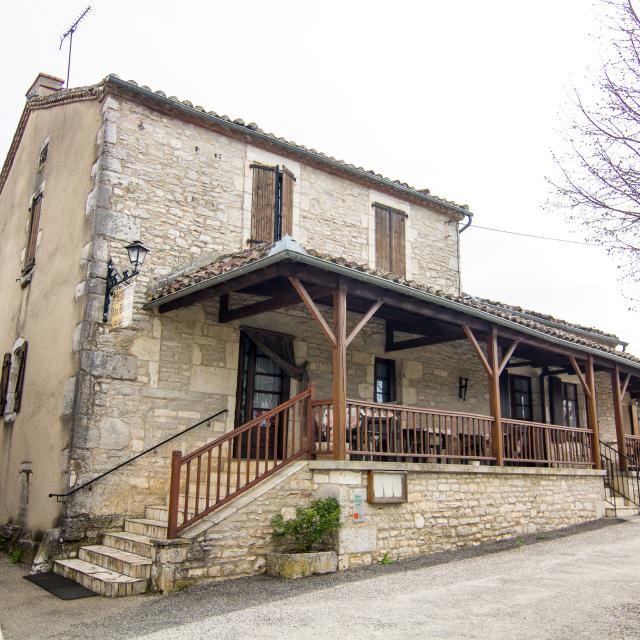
599,172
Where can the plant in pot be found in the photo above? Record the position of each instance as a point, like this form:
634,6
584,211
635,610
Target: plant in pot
305,539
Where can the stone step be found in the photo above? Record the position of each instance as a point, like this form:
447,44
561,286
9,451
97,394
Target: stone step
621,512
129,542
104,582
129,564
146,527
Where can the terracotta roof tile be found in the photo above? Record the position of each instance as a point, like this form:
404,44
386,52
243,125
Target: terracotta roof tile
229,262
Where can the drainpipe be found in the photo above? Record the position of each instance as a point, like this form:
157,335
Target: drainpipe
469,216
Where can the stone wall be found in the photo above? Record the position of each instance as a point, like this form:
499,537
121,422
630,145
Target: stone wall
448,507
453,506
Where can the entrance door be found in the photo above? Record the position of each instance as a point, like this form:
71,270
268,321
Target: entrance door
262,385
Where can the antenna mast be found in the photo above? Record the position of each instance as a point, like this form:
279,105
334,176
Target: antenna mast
69,32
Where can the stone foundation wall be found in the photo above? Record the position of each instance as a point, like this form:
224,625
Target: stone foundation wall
448,507
453,506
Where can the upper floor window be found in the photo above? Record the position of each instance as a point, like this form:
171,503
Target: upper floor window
44,152
32,237
272,203
521,400
385,380
390,240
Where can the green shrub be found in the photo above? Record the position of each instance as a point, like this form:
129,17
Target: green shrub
15,555
312,526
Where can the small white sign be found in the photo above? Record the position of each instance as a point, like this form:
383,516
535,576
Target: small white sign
357,514
122,305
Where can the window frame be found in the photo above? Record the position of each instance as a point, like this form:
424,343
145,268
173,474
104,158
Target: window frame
391,379
513,379
35,214
566,400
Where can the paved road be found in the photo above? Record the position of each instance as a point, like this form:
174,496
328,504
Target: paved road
581,586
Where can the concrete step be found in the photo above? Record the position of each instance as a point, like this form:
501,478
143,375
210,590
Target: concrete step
129,564
129,542
110,584
146,527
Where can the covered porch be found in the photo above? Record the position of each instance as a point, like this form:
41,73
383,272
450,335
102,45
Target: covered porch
344,301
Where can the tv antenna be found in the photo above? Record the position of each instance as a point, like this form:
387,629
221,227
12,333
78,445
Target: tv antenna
69,33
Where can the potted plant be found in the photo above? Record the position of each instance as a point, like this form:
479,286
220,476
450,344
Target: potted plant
305,539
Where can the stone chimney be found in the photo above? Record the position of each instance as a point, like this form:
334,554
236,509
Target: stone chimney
44,85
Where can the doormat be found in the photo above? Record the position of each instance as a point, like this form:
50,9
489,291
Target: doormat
59,586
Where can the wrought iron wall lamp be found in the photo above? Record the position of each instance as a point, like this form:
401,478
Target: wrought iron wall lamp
137,253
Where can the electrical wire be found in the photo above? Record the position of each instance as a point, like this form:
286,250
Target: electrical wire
529,235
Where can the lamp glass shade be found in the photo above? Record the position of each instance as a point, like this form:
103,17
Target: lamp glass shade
137,252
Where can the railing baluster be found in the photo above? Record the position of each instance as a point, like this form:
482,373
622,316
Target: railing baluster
186,493
208,478
197,503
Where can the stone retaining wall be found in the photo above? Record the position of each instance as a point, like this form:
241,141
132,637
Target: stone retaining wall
448,507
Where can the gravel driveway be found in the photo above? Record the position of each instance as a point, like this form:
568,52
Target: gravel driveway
584,585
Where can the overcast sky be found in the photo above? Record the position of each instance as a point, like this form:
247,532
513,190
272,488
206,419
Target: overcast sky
460,97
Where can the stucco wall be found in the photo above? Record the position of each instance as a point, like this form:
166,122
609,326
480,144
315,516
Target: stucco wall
47,310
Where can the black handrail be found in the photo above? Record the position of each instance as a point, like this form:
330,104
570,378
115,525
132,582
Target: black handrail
122,464
617,480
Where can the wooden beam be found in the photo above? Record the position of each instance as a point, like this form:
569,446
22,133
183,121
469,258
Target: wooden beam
412,343
474,343
576,368
497,441
229,286
508,355
617,413
363,321
313,310
592,413
339,366
625,384
288,299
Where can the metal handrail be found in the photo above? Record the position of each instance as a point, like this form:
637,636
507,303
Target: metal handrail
58,496
613,471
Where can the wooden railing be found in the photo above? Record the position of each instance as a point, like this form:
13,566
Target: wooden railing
214,474
632,450
323,425
394,432
411,434
538,443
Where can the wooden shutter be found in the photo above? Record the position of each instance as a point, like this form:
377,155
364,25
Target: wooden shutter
34,223
383,257
4,382
555,401
21,356
398,259
286,202
263,203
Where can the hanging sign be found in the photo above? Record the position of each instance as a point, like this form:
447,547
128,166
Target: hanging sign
122,306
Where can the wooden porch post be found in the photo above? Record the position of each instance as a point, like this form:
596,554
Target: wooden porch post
617,410
340,372
494,396
592,412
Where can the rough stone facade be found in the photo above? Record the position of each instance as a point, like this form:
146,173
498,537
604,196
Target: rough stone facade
447,508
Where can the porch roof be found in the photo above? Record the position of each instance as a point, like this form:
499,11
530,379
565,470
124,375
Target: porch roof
269,261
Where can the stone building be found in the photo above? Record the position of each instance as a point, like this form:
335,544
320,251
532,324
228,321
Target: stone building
270,266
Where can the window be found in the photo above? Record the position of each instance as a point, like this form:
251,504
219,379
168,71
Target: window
385,385
32,237
12,382
570,405
390,240
44,152
4,382
272,203
521,405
